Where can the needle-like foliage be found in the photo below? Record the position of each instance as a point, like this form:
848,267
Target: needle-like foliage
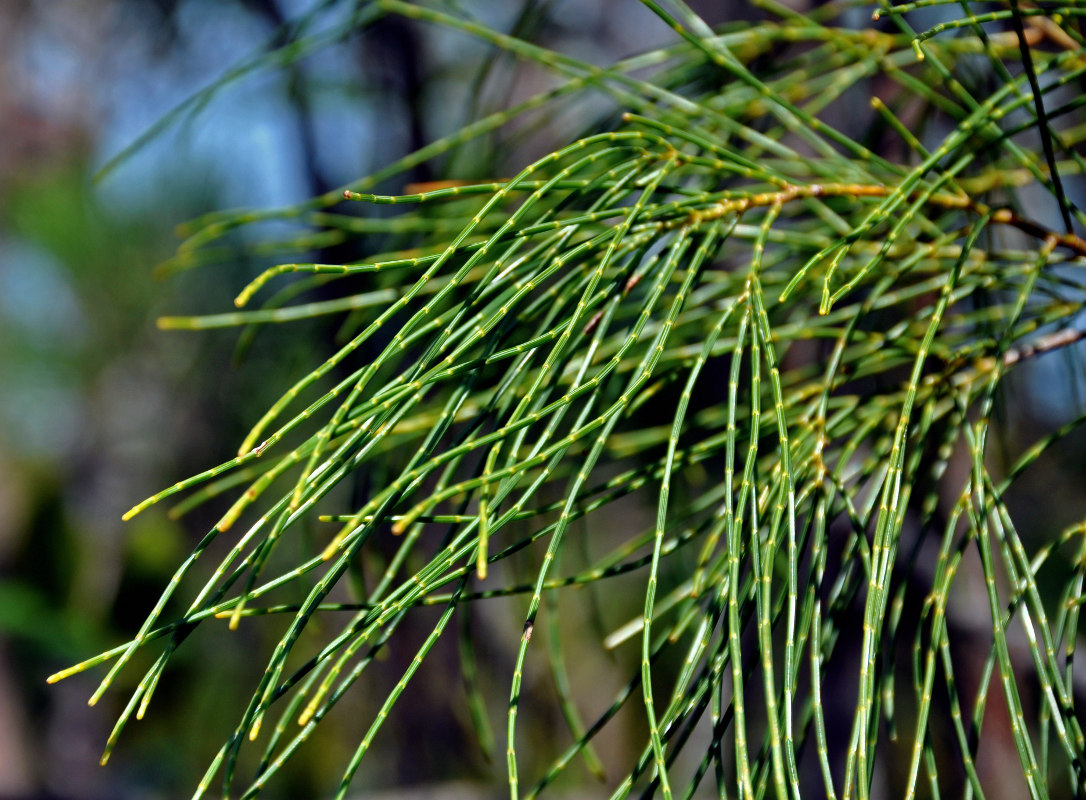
772,297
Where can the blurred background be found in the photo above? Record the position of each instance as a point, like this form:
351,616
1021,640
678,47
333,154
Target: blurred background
99,409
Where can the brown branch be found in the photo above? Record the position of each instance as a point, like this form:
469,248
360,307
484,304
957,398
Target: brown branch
1044,344
1004,216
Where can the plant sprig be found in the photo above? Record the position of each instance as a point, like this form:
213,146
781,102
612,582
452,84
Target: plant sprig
777,331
